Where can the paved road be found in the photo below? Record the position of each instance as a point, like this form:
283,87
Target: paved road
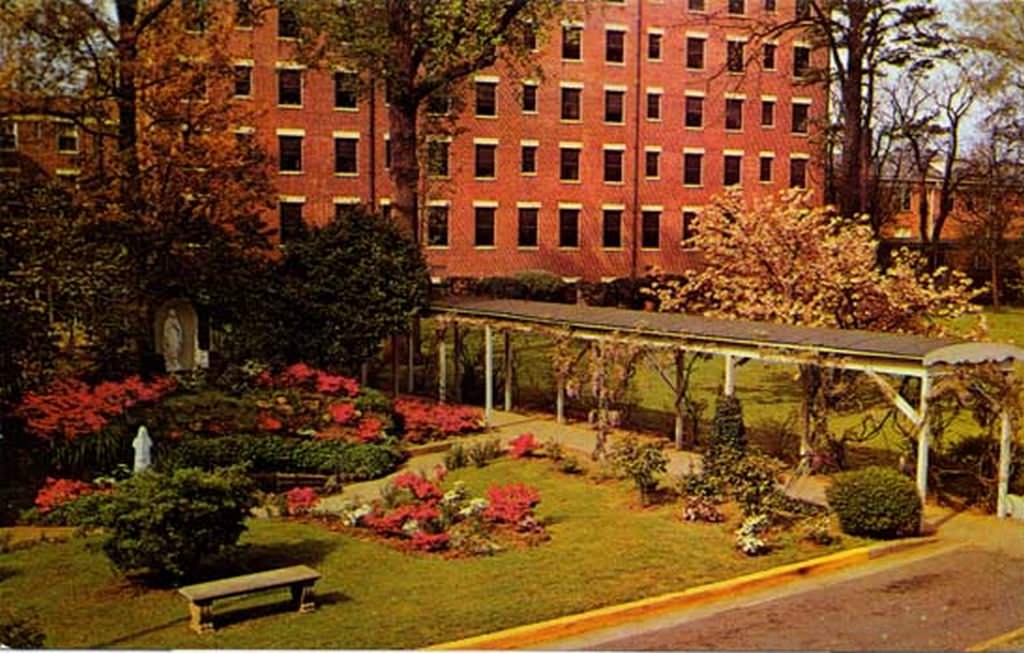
946,602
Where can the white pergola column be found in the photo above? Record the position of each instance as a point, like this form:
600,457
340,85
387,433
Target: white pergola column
923,437
1005,442
488,374
680,381
442,370
508,371
560,402
730,375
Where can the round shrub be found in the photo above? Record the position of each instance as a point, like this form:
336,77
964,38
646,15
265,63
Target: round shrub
729,430
166,524
876,502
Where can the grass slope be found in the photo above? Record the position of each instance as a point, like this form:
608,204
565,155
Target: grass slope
602,551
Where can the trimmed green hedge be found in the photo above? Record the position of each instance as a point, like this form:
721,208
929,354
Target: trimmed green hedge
877,502
275,453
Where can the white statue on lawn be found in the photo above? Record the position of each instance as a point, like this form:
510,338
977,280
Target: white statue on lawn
143,446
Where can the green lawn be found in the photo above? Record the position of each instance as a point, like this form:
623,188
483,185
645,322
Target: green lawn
602,552
770,393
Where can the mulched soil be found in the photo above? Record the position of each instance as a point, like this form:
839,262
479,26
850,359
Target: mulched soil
947,602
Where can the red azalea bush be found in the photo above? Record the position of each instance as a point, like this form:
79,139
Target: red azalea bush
342,413
419,513
523,446
60,491
71,408
512,503
370,429
301,500
303,377
426,421
269,423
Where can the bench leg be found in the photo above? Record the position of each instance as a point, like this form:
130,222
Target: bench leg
201,617
302,598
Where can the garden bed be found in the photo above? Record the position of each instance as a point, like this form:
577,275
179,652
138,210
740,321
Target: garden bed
423,599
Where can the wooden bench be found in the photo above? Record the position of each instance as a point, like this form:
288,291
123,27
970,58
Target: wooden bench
299,579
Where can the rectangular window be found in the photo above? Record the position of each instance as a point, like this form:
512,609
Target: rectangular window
289,150
346,155
287,23
693,165
572,41
654,46
243,81
652,164
653,106
571,103
614,46
696,5
611,229
437,226
437,158
245,16
346,90
694,53
733,170
614,106
486,99
694,111
734,56
439,103
769,5
527,232
766,169
529,98
733,114
486,161
569,164
650,229
689,220
67,141
801,117
483,232
289,88
801,61
737,6
767,113
613,166
528,160
798,173
770,50
568,227
291,226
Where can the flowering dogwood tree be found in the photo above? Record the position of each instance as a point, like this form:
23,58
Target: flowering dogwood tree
783,260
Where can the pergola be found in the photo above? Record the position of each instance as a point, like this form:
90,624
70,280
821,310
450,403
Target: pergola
875,354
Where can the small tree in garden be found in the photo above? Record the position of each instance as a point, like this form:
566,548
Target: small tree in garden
642,462
782,260
344,286
611,366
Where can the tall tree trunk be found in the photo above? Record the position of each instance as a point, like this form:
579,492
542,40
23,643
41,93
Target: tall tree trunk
405,167
852,193
130,186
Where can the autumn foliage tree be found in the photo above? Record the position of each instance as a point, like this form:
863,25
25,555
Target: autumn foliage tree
783,260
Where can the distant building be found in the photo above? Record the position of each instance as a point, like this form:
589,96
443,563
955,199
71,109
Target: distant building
646,110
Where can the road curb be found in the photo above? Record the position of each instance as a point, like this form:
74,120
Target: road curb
996,643
577,624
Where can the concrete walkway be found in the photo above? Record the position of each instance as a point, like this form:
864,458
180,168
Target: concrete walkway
577,437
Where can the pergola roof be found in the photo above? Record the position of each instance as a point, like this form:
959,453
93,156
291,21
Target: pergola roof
851,349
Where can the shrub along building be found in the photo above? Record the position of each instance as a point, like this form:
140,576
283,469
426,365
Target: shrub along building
595,166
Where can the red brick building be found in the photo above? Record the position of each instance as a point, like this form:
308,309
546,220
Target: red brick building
645,110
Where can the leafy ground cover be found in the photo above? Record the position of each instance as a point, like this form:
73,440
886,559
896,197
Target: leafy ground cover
603,550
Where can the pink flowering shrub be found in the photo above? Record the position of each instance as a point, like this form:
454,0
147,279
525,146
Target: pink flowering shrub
342,413
60,491
523,446
426,421
512,503
301,376
421,488
301,500
71,409
370,429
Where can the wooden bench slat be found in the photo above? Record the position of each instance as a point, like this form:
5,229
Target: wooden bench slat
264,580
